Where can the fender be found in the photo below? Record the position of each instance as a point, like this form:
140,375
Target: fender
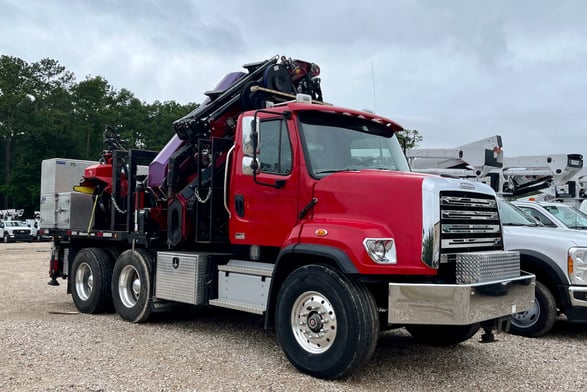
558,284
547,265
284,265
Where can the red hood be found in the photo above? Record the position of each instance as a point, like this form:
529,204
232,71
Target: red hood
376,204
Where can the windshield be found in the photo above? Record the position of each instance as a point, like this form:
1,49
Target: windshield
334,142
14,224
571,217
512,216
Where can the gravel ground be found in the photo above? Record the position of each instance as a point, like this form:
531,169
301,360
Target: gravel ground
48,346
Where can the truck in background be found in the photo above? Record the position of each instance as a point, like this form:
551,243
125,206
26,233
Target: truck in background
554,214
12,228
558,257
269,201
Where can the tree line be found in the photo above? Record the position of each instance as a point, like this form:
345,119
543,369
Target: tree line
46,113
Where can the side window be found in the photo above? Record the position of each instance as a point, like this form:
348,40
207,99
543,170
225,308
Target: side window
539,217
275,155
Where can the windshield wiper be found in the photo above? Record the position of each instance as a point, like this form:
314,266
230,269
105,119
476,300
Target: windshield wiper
325,171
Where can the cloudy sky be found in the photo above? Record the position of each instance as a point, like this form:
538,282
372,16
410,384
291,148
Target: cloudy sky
455,70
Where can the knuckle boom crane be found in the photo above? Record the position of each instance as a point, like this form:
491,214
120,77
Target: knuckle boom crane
269,200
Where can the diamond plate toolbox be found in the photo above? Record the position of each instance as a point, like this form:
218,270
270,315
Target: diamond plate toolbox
479,267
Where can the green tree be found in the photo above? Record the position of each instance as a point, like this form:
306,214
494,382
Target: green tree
25,91
409,138
92,102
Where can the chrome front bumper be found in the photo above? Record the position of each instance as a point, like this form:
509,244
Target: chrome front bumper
459,304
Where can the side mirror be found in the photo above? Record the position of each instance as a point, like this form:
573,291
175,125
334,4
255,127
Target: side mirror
254,136
250,137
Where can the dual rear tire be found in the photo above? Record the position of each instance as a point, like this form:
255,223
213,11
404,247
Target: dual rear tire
102,280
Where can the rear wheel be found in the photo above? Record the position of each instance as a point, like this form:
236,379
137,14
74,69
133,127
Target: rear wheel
132,285
326,322
539,319
91,274
442,335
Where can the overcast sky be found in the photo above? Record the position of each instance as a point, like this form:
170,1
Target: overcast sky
457,71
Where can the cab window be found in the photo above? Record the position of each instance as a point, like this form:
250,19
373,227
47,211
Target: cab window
540,217
275,152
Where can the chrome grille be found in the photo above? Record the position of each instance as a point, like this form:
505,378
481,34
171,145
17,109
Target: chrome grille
469,222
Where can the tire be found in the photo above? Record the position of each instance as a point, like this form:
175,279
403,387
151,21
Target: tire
540,319
6,238
442,335
91,277
132,285
338,334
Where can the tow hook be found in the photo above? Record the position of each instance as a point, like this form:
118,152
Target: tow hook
499,325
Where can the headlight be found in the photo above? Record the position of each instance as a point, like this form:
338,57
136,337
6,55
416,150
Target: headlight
381,250
577,265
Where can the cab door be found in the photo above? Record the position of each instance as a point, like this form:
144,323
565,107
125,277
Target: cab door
264,207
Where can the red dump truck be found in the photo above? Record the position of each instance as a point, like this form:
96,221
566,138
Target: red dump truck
269,201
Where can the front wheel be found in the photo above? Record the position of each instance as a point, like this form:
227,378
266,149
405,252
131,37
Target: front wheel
539,319
326,322
132,285
442,335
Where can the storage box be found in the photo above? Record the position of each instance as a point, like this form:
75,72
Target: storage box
60,175
182,277
66,210
60,207
245,282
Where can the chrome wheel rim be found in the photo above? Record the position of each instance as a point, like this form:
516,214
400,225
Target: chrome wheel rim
313,322
84,281
129,286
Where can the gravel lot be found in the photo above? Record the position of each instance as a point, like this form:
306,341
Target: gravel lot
48,346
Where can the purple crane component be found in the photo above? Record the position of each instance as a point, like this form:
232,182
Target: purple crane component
158,167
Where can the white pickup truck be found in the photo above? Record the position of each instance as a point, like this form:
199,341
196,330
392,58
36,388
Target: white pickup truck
13,230
558,258
555,215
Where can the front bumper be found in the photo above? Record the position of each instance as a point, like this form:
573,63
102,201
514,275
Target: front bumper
20,237
459,304
578,296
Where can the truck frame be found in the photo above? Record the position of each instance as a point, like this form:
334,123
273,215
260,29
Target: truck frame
270,201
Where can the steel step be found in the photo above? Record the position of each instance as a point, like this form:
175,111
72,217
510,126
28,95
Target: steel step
242,306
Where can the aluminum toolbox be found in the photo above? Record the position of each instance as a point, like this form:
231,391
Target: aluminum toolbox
245,282
66,210
59,207
60,175
182,277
